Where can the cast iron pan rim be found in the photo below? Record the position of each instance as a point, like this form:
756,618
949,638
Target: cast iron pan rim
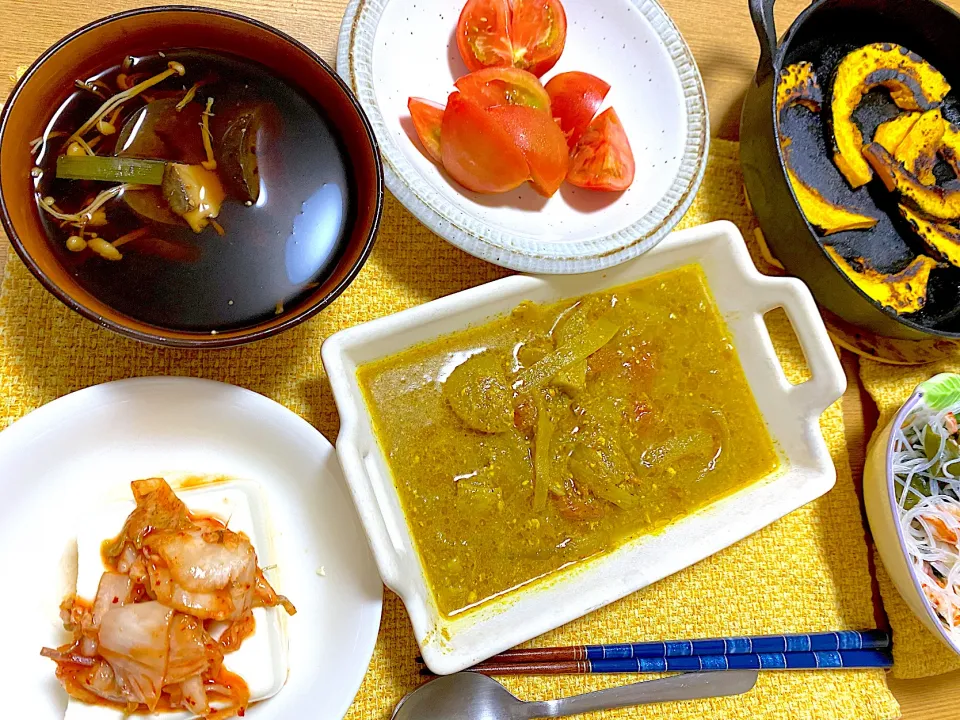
782,48
202,341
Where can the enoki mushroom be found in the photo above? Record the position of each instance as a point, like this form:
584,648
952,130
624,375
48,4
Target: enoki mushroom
189,96
210,163
173,68
85,215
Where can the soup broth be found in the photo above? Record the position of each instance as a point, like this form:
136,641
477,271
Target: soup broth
284,215
559,432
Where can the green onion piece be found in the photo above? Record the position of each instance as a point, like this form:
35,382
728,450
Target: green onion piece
133,171
579,348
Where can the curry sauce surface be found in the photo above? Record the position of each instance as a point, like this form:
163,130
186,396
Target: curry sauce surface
654,425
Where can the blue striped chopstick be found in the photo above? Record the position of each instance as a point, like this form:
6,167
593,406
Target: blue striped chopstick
809,651
808,642
820,660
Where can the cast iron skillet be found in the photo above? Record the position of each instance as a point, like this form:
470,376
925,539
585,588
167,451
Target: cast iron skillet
823,34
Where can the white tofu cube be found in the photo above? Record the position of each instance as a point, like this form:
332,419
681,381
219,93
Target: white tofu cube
262,658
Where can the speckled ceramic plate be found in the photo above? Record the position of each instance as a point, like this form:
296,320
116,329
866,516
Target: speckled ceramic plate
390,50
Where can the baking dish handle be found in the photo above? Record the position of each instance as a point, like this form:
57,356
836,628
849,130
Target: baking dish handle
371,514
761,12
827,381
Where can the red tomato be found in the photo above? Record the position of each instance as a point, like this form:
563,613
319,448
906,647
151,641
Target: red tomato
483,34
542,144
427,116
602,159
575,98
476,151
504,86
538,32
527,34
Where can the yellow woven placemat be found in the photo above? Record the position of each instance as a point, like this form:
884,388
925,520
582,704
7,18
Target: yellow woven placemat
807,572
917,652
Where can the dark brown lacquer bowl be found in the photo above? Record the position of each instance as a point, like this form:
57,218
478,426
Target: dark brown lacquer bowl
50,79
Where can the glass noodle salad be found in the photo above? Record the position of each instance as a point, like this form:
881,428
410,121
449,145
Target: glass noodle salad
926,468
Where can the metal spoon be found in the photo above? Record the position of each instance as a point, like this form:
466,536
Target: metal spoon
471,696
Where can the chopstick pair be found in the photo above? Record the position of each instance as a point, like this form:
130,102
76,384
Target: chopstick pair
811,651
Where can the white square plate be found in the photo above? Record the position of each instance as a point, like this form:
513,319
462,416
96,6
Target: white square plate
791,412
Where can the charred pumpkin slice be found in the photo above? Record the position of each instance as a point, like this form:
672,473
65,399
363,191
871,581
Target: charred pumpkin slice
904,292
798,86
891,133
918,150
950,147
914,84
932,201
822,213
942,239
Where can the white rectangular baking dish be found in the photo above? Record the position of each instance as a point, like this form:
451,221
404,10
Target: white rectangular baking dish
791,412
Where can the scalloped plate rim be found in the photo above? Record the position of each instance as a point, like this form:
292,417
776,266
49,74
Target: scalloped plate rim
474,240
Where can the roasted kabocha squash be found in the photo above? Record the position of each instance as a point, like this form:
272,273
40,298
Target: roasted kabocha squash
903,292
822,213
950,147
942,239
917,150
932,201
798,86
913,83
891,133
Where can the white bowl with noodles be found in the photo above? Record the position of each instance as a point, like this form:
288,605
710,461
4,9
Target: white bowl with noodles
390,50
881,496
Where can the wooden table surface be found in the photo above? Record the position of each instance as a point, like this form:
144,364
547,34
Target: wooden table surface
725,46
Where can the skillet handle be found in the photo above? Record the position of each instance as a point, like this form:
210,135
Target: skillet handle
761,12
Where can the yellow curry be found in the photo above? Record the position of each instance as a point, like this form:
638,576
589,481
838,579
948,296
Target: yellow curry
558,432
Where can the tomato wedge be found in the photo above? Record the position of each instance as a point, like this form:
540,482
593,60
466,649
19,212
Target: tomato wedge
602,159
538,32
504,86
476,151
575,97
541,141
527,34
483,34
427,117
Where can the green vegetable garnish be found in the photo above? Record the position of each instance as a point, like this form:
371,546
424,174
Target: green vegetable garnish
573,379
579,348
919,484
931,442
543,437
133,171
941,391
592,470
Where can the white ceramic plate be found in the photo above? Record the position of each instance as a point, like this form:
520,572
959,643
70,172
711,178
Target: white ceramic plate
792,414
56,462
390,50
